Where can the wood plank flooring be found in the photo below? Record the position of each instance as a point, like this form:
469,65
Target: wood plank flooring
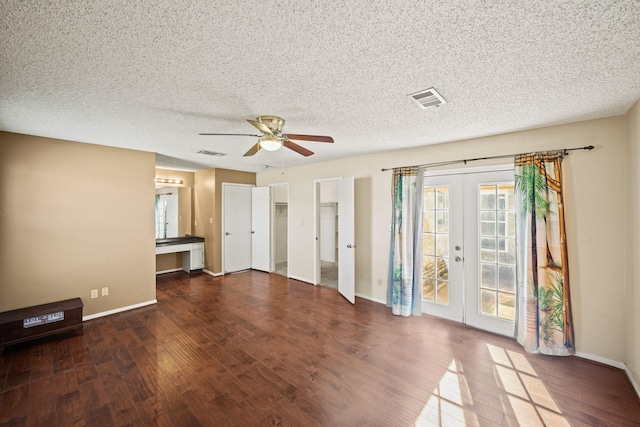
254,349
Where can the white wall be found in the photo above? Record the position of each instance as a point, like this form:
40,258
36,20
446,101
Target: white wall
595,188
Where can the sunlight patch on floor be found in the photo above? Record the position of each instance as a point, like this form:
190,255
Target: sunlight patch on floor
445,406
531,402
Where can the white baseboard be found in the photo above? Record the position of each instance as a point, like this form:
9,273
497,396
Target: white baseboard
379,301
211,273
615,364
118,310
172,270
602,360
300,279
634,383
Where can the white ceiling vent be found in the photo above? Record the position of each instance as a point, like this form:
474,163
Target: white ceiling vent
211,153
428,98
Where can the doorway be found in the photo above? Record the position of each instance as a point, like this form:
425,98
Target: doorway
280,227
328,233
469,248
335,235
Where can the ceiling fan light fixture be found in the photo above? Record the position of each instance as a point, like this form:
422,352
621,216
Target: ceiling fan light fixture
270,143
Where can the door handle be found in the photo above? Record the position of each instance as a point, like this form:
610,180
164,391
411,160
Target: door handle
227,233
458,259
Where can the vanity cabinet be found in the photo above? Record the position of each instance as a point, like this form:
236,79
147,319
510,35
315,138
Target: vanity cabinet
191,247
194,259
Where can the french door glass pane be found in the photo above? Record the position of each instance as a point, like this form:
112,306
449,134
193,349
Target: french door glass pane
435,245
496,230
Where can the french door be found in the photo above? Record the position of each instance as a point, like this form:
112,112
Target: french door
469,267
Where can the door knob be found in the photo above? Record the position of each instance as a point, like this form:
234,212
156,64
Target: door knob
458,259
227,233
458,248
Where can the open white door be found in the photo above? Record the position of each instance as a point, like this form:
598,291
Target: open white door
260,228
346,239
237,227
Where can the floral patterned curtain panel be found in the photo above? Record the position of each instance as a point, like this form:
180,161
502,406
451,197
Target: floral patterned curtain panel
404,289
544,307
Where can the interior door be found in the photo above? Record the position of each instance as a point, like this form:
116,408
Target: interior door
236,227
260,228
346,239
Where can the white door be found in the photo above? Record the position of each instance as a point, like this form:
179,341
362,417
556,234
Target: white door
490,238
443,250
346,239
469,249
260,228
236,227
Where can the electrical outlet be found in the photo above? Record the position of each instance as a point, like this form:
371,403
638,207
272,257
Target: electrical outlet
105,291
210,220
94,293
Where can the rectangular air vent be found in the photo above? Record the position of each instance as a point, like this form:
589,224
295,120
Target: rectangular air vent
428,98
211,153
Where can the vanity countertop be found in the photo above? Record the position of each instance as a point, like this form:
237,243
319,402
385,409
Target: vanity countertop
169,241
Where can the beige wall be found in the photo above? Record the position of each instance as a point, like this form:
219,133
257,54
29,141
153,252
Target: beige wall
75,217
166,262
203,212
595,188
186,177
632,294
208,209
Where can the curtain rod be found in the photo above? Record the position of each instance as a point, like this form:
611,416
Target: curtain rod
453,162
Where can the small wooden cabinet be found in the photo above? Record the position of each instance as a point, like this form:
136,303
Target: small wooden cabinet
30,323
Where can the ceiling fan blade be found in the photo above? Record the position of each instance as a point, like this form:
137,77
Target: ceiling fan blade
261,127
315,138
231,134
297,148
253,150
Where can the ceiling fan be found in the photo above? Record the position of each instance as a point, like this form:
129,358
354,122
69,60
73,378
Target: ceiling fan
272,137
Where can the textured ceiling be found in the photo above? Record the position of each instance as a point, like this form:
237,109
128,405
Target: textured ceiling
151,75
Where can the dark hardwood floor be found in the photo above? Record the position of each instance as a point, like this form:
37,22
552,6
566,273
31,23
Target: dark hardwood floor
257,349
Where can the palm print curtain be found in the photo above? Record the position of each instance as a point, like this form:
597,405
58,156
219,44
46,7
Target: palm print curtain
544,310
404,289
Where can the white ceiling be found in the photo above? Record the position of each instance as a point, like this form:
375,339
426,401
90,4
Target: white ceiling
151,75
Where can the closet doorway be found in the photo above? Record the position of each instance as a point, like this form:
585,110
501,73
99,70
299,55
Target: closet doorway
335,235
327,192
280,229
